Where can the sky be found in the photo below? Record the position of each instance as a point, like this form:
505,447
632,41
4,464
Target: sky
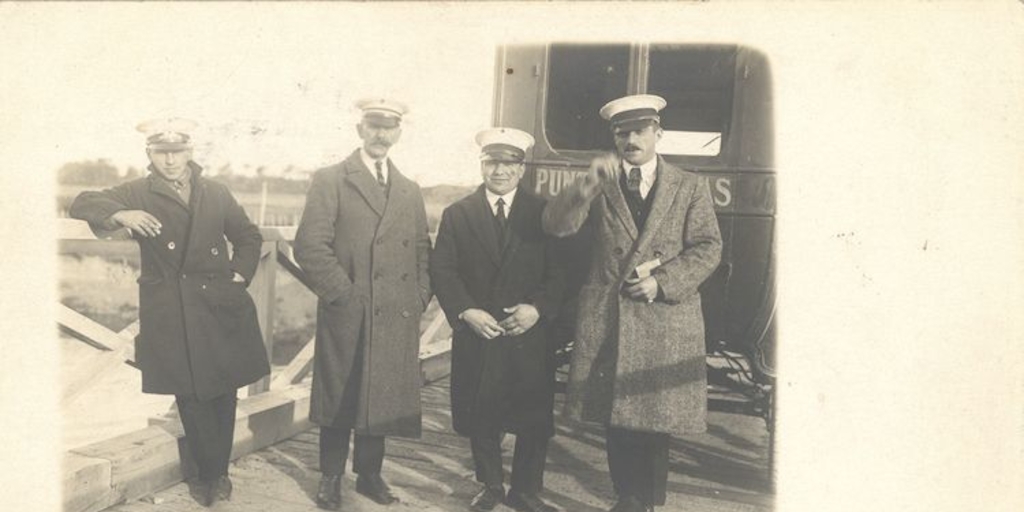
901,198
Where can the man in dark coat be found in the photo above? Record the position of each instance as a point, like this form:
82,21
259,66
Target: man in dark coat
199,338
363,244
499,284
638,362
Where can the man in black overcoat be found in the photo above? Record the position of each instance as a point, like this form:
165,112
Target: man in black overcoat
499,284
199,338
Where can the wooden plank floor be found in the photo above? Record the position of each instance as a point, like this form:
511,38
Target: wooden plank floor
724,469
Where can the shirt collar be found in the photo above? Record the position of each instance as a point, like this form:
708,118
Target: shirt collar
648,171
492,199
368,161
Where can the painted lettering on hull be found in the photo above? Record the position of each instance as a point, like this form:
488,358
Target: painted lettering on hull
750,194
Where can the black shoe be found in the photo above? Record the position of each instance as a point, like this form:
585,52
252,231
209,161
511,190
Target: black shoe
373,487
328,495
205,493
631,504
527,502
224,488
487,499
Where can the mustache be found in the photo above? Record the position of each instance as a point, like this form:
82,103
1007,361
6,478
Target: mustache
631,147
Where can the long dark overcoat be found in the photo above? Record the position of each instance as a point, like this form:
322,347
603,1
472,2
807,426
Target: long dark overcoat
198,331
637,365
506,383
365,254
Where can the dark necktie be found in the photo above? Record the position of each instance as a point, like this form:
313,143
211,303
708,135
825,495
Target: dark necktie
380,174
633,183
502,221
502,218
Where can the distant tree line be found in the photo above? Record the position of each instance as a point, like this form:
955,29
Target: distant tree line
101,173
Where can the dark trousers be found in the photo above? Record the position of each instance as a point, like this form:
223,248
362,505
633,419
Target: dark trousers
368,456
638,463
209,432
527,462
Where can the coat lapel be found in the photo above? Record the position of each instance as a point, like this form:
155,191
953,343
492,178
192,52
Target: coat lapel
197,195
667,185
159,187
361,179
399,197
482,225
515,219
618,205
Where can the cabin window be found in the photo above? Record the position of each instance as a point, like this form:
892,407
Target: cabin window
697,83
582,78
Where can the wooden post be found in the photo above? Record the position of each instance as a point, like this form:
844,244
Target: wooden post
263,293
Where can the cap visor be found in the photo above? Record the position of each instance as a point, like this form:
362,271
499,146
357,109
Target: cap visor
169,146
633,124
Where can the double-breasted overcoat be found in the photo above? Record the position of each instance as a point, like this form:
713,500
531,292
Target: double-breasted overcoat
198,330
507,383
637,365
365,250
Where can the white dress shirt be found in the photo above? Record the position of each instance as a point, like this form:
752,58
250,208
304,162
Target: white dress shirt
648,173
368,161
492,200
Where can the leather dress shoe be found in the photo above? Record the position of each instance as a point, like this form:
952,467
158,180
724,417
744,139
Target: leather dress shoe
631,504
487,499
373,487
328,494
205,493
527,502
224,488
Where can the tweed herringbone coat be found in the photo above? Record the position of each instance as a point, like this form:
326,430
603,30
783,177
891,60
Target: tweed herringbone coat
365,254
637,365
198,332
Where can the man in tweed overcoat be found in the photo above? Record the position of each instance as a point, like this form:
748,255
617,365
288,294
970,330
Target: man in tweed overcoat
638,364
363,245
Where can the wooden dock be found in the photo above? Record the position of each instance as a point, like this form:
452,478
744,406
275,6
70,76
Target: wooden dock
724,469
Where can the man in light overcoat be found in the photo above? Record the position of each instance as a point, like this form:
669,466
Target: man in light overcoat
363,245
199,338
499,282
638,365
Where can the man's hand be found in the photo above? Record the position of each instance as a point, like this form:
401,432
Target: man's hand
138,221
602,168
643,290
522,318
482,323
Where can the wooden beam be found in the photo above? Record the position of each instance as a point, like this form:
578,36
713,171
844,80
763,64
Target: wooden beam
74,229
88,330
428,334
263,291
136,464
298,368
286,258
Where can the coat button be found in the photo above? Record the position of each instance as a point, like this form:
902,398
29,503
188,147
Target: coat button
170,245
405,277
405,314
183,276
204,287
376,311
380,241
657,254
214,251
405,243
376,275
618,251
